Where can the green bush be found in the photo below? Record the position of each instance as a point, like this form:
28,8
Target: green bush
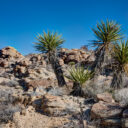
79,76
120,63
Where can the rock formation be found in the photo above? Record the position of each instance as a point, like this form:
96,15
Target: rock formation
31,98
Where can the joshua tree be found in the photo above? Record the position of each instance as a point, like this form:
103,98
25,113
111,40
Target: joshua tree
106,33
50,43
120,56
79,76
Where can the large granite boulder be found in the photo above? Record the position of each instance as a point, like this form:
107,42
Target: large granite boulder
10,52
39,82
105,110
61,105
73,55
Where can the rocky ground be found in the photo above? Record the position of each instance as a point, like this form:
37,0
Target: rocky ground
31,98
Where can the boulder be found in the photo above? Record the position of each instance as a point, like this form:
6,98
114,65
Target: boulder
37,83
61,62
24,62
84,55
36,58
4,63
19,70
40,73
102,110
106,97
73,52
58,106
72,58
52,104
43,63
10,52
75,55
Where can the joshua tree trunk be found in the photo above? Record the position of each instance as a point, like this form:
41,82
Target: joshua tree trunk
57,69
77,89
117,81
101,61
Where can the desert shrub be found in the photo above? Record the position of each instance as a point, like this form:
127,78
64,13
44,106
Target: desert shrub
96,86
10,83
79,76
7,109
121,96
92,89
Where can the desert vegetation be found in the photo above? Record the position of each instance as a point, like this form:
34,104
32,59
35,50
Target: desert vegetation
79,76
50,43
67,88
120,56
106,34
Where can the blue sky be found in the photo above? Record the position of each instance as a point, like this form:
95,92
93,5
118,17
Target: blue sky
21,20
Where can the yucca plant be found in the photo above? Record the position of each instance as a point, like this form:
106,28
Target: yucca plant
50,43
120,56
79,76
106,33
121,52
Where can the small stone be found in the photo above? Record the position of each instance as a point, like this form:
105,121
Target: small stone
61,62
106,97
30,89
23,112
18,87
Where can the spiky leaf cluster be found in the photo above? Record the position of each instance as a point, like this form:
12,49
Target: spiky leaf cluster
48,42
121,52
106,33
79,75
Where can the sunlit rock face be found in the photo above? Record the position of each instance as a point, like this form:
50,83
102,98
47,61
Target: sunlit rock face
30,95
9,53
76,55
